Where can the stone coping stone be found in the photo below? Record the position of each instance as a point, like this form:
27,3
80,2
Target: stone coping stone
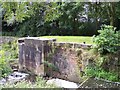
22,40
72,43
36,38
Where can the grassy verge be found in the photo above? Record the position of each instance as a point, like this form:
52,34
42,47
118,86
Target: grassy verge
78,39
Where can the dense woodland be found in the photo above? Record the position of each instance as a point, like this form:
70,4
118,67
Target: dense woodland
58,18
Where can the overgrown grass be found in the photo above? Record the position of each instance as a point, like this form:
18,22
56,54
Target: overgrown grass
78,39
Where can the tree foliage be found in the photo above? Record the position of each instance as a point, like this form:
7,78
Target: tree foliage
14,11
61,18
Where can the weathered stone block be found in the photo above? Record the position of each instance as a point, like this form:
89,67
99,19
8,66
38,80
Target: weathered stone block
32,53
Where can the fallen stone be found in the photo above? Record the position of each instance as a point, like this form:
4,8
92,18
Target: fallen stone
62,83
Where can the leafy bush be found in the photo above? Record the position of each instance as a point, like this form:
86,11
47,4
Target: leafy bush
108,40
100,73
11,49
107,43
4,67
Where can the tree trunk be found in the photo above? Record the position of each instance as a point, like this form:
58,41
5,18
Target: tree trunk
112,13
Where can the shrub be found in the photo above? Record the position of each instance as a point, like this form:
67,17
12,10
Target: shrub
4,67
11,49
100,73
108,40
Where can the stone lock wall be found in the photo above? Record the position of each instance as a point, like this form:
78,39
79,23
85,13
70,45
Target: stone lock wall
32,53
68,60
47,57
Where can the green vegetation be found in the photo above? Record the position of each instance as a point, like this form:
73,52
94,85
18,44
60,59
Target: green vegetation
40,83
108,40
58,18
67,22
78,39
8,52
101,73
107,45
4,66
11,49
